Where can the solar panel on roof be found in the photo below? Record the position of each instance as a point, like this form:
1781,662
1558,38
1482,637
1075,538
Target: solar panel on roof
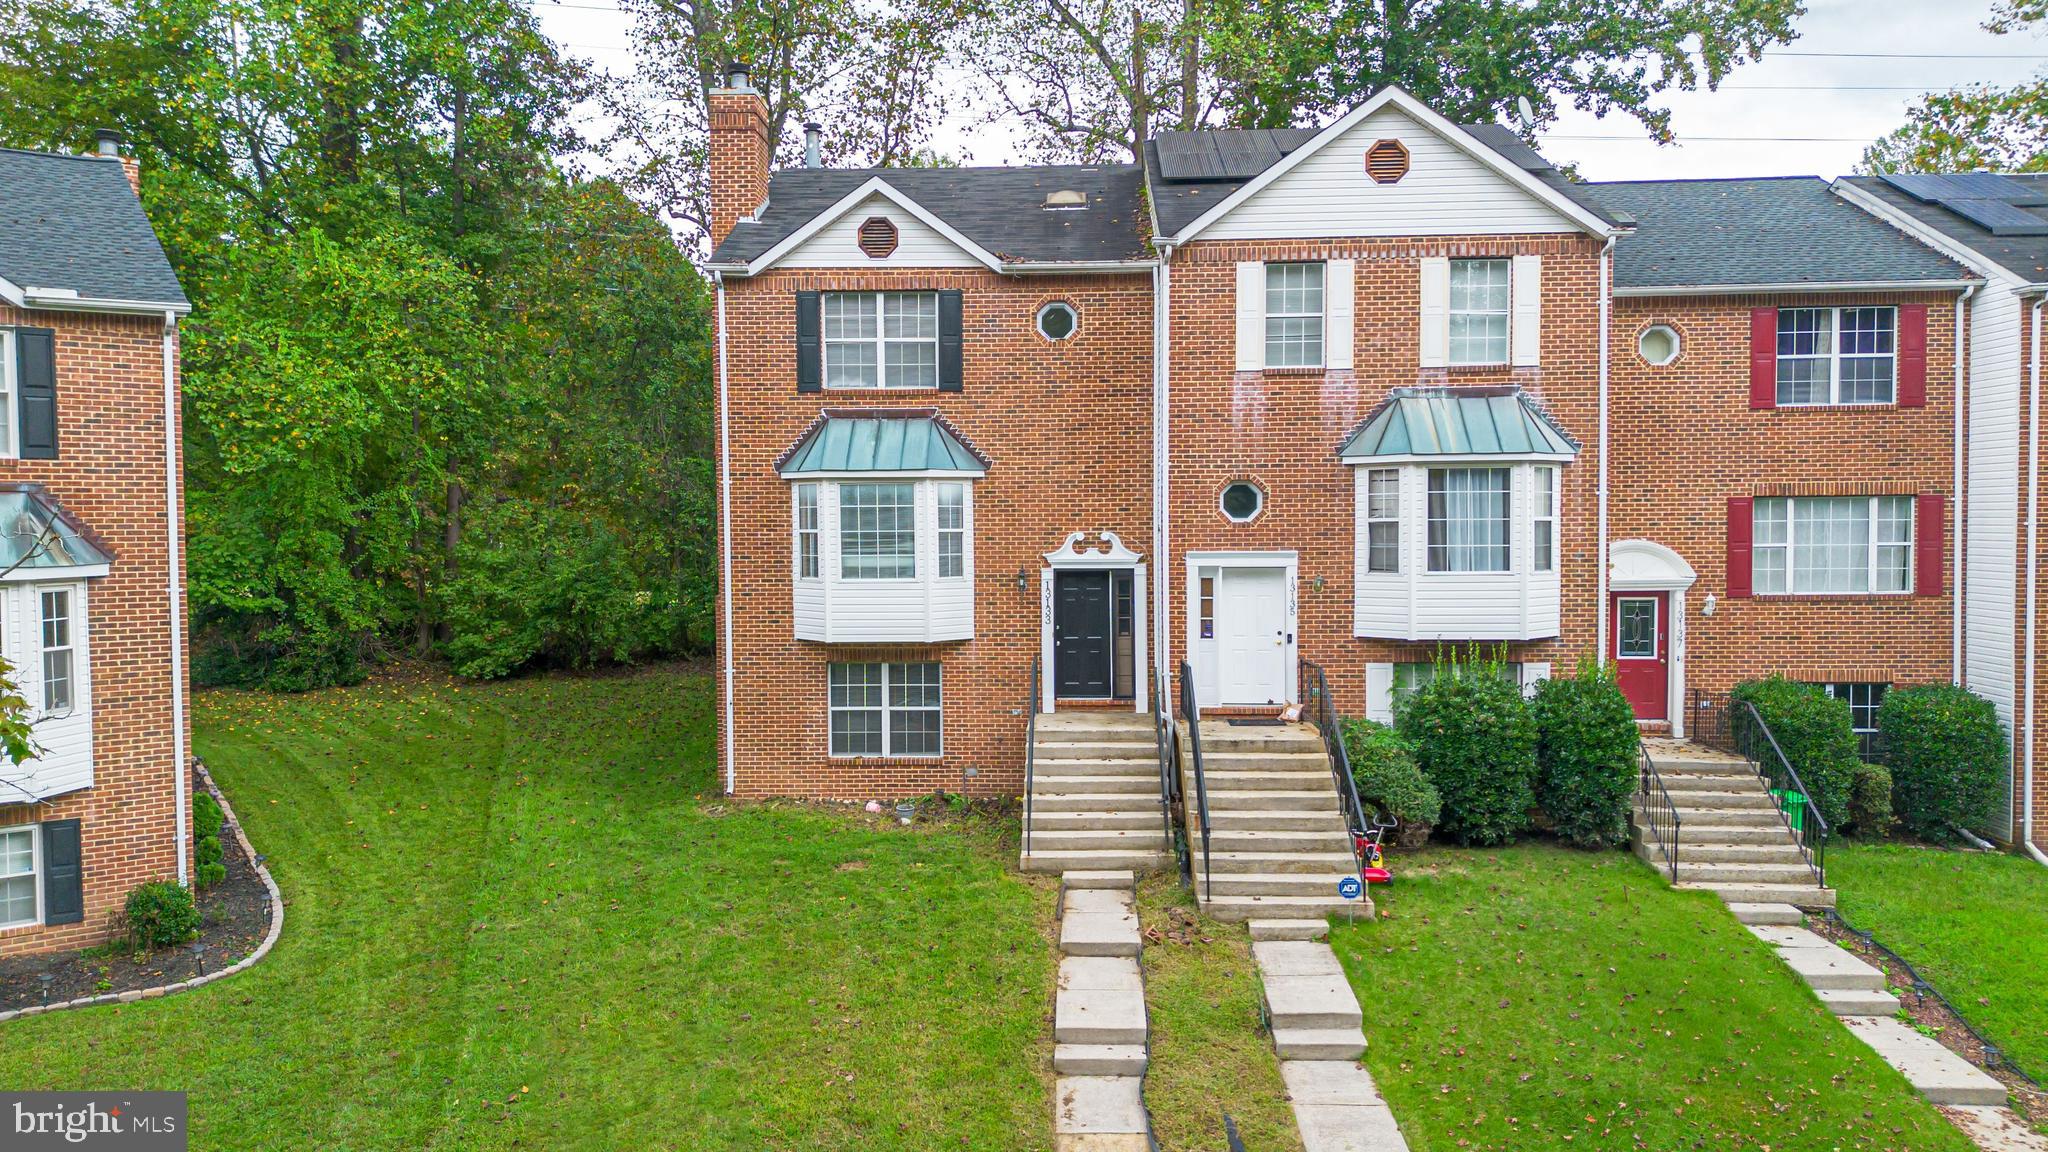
1993,186
1188,156
1225,154
2001,218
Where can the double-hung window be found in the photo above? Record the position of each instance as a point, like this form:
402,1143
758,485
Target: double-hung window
878,531
1837,355
952,529
18,878
880,709
881,339
1822,545
1294,315
1468,520
1479,311
7,394
58,651
807,531
1383,520
1544,523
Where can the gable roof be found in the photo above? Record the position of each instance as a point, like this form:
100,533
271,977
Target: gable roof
1775,232
2025,257
999,210
72,225
912,440
1492,420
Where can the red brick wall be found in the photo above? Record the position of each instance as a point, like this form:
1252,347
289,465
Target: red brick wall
1067,429
739,155
110,474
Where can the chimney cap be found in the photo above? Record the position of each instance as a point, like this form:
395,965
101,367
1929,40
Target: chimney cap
814,134
108,141
739,76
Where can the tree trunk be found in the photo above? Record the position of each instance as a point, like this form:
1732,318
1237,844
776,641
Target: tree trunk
1190,64
1141,100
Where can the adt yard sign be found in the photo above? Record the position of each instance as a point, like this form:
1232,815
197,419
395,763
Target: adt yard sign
1349,888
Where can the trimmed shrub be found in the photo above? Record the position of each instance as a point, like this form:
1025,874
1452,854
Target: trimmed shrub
1870,801
1947,754
1585,756
1383,766
161,914
207,817
1474,740
1816,733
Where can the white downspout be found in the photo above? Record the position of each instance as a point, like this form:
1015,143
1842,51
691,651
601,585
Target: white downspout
173,537
2033,573
1606,308
1163,578
725,537
1957,500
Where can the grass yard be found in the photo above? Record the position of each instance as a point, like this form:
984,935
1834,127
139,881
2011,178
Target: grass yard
1975,925
1208,1055
1540,998
521,917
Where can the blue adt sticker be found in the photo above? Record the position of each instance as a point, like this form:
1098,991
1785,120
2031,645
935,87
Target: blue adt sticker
1348,888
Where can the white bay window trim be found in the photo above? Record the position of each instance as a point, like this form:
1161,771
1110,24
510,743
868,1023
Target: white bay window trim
933,602
52,665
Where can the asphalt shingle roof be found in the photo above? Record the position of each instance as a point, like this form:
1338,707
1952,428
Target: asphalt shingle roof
2023,256
1780,230
1001,209
73,222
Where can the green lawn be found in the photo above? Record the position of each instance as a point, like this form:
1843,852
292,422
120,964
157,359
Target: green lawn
1974,924
521,917
1540,998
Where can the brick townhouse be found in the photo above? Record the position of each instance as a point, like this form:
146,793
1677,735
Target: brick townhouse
1333,397
91,580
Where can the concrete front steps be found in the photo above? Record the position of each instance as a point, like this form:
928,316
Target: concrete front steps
1277,843
1318,1035
1100,1028
1732,840
1095,795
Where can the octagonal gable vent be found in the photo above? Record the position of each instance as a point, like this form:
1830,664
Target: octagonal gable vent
1386,161
878,236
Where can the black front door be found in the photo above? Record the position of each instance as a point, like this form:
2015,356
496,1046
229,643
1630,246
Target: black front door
1083,625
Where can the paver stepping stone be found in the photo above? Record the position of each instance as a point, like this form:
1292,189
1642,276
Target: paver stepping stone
1329,1082
1101,974
1830,967
1290,929
1103,900
1098,1104
1348,1128
1788,936
1939,1074
1753,913
1295,958
1099,1059
1099,1017
1312,1002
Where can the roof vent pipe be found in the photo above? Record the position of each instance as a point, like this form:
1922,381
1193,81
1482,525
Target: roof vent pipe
739,76
813,145
109,142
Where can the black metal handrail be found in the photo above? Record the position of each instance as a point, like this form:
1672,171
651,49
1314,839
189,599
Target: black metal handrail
1757,745
1660,815
1193,714
1030,750
1167,740
1315,699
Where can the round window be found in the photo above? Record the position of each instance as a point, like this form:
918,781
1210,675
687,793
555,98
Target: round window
1056,321
1658,344
1242,501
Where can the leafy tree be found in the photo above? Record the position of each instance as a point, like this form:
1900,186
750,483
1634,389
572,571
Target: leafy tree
1978,125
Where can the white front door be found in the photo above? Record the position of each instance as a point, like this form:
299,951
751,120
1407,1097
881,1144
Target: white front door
1251,634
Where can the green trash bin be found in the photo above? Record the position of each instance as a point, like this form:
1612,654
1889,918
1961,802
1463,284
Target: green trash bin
1794,804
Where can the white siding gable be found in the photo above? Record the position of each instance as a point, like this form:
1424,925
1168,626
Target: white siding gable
1446,192
1997,318
918,245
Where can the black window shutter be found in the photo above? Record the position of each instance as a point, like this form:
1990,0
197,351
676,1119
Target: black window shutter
949,341
809,373
63,878
35,351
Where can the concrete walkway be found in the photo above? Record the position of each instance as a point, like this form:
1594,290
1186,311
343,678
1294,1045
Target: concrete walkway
1319,1037
1099,1025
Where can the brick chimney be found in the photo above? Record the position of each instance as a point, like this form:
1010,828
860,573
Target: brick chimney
108,143
740,152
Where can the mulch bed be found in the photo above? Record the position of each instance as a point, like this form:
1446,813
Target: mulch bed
235,914
1929,1012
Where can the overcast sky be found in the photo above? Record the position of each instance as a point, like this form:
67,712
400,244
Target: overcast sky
1809,108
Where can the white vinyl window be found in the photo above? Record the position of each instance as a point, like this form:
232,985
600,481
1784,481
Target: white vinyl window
1479,311
881,339
880,709
1383,520
1468,520
1410,677
1545,522
58,651
1864,701
1823,545
7,393
807,531
1294,315
878,531
1837,356
20,888
952,529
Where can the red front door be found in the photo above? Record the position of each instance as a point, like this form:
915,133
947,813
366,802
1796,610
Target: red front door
1642,651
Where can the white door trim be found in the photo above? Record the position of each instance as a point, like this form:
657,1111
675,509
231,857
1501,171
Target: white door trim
1207,687
1113,556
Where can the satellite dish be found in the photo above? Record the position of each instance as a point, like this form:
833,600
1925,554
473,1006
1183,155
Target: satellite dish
1527,113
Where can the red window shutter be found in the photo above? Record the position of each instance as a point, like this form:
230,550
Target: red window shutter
1913,356
1930,537
1763,358
1741,525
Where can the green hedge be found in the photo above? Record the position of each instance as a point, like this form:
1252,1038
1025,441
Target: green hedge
1586,756
1870,802
1816,733
1476,742
1383,766
1948,758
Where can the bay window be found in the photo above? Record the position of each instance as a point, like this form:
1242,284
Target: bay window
1545,522
885,709
1383,520
1837,356
881,339
807,531
877,531
1832,545
952,530
1468,520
